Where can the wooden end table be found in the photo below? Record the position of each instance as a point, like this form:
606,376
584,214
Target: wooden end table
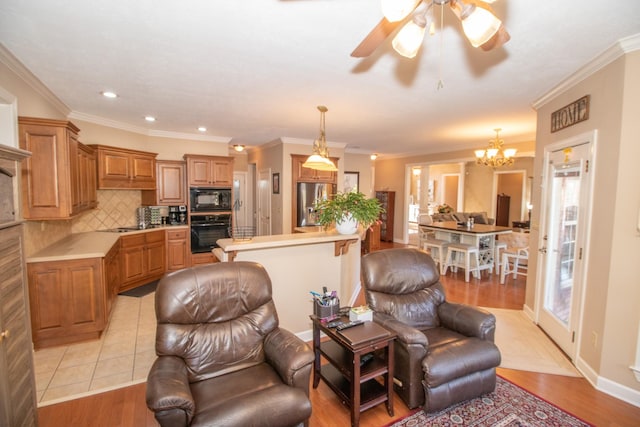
355,384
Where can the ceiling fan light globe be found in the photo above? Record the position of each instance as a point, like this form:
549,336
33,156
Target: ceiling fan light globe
408,41
396,10
479,26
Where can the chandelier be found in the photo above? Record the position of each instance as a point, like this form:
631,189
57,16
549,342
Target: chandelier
495,156
319,160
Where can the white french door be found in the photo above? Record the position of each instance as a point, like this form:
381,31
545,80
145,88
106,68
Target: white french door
567,199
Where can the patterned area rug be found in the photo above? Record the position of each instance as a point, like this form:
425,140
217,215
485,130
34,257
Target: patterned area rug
508,406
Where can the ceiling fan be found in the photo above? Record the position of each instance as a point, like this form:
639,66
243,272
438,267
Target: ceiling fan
480,25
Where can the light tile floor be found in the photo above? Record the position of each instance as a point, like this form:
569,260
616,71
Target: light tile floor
122,356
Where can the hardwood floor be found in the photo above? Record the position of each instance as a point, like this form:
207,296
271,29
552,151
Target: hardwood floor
127,408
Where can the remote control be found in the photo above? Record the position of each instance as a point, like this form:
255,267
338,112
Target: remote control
348,325
367,357
334,324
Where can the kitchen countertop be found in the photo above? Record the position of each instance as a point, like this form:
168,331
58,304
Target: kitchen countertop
92,244
283,240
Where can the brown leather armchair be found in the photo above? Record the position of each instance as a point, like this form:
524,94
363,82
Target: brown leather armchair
222,359
444,352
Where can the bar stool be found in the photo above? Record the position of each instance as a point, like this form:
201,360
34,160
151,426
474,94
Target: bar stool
438,250
462,249
497,256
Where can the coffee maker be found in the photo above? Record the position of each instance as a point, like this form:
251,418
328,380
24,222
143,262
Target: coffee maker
177,215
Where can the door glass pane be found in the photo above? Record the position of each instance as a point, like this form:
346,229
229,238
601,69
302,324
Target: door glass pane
565,200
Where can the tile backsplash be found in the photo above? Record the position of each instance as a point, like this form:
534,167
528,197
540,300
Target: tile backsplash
116,208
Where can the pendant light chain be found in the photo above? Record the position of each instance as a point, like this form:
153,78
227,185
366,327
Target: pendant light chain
440,82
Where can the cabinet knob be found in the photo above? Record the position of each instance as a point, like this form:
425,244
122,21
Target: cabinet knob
4,334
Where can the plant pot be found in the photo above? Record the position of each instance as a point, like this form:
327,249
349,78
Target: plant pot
347,225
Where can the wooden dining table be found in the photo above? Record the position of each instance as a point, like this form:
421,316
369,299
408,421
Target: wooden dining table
483,236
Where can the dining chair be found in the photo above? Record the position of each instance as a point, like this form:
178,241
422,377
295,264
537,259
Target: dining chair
514,262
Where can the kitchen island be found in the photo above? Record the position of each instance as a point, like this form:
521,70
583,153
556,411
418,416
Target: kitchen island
297,264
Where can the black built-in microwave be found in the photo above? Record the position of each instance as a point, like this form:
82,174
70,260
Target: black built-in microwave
210,199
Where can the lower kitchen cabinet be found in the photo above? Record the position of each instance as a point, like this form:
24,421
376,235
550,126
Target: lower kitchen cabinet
142,257
17,378
177,250
67,301
202,258
112,276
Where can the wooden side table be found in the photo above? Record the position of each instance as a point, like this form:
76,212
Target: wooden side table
355,384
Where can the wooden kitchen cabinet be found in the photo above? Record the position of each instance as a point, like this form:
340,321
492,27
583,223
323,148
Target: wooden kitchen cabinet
121,168
58,180
17,381
142,257
302,174
202,258
86,181
111,264
67,301
207,171
171,185
177,249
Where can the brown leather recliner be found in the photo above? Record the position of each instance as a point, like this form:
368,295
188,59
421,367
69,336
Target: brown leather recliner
222,359
444,352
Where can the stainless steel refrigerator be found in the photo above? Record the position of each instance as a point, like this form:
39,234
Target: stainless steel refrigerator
308,193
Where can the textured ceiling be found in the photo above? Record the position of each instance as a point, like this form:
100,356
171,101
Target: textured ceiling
252,71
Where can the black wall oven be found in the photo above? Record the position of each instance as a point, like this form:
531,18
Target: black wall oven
210,199
207,229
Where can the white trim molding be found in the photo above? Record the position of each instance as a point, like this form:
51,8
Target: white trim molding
621,47
14,64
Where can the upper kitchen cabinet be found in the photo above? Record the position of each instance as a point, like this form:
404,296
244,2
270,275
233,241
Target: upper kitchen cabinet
171,186
302,174
209,171
58,180
121,168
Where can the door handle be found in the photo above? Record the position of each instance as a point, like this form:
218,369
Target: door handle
4,334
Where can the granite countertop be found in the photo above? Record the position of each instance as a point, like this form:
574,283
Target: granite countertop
92,244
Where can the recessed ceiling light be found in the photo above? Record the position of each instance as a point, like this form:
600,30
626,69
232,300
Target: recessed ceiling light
202,129
150,118
108,94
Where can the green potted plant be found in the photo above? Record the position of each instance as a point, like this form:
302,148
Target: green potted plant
347,210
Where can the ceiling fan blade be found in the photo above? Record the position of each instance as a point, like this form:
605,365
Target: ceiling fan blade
498,39
375,38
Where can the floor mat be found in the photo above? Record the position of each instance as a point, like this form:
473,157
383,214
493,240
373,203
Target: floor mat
141,291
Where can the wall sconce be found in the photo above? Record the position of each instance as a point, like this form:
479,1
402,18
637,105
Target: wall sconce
374,156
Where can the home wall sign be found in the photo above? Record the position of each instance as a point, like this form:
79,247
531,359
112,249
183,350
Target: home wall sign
571,114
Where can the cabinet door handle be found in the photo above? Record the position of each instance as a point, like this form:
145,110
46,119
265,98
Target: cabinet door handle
4,334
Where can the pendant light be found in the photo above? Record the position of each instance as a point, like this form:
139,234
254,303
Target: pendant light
319,160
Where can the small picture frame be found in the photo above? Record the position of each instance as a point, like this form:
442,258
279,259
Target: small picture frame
275,183
351,182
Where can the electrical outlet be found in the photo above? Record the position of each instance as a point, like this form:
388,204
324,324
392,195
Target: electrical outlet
594,338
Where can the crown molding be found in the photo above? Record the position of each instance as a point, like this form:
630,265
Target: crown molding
300,141
14,64
144,131
621,47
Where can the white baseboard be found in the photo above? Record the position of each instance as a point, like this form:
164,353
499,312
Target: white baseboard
608,386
